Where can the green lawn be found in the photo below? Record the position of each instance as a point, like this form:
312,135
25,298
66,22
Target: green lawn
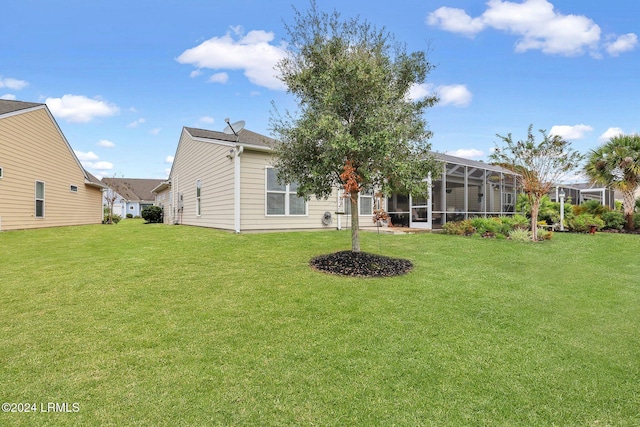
170,325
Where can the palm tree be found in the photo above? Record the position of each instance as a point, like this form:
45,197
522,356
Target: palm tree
616,163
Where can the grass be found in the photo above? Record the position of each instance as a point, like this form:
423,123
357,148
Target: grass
166,326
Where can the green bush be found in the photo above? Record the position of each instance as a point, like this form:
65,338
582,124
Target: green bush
583,222
461,228
129,215
152,214
520,235
593,207
486,225
613,220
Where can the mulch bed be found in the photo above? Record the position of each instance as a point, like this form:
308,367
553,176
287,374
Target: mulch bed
360,264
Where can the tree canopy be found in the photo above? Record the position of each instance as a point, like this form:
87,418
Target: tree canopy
540,165
356,126
616,163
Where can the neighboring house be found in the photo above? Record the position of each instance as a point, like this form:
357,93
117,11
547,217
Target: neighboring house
223,181
42,183
132,194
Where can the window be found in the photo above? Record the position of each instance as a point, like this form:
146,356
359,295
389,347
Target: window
39,199
73,188
282,199
1,175
365,203
198,193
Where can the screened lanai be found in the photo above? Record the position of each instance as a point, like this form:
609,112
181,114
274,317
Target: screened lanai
465,189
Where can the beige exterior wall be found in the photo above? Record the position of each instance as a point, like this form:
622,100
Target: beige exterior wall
164,199
253,200
32,149
207,162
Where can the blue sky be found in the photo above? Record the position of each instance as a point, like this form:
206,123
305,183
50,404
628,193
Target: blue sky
123,77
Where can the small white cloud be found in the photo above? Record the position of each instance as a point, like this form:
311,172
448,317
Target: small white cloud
136,123
169,159
106,143
253,53
80,109
206,119
254,93
195,73
622,44
167,171
456,95
570,132
155,131
8,97
419,91
610,133
219,78
455,21
86,157
103,166
466,153
13,84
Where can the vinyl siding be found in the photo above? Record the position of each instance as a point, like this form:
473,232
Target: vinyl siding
33,149
253,200
208,162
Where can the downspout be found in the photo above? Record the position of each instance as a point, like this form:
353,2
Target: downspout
236,198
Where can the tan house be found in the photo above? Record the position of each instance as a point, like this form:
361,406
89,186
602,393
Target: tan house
42,183
225,181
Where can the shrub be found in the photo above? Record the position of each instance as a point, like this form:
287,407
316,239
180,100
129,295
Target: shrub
486,225
129,215
544,234
583,222
520,235
613,220
114,219
461,228
152,214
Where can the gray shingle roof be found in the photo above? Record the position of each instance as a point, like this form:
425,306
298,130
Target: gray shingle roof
245,137
134,189
8,106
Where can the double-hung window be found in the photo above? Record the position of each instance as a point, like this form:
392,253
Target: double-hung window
282,198
365,203
198,201
39,199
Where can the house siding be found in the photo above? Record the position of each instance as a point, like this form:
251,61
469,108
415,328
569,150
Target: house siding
33,149
253,200
208,162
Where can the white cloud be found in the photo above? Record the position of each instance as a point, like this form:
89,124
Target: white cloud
155,131
456,95
195,73
419,91
136,123
77,108
610,133
538,26
622,44
206,119
169,159
106,143
13,84
102,166
86,157
252,53
466,153
219,78
8,97
570,132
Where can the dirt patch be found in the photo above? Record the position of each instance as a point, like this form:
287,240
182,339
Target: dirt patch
361,264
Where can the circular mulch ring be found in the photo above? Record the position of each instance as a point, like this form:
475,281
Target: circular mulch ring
361,264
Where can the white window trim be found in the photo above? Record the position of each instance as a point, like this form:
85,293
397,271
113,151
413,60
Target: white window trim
71,188
287,192
347,204
35,201
198,198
